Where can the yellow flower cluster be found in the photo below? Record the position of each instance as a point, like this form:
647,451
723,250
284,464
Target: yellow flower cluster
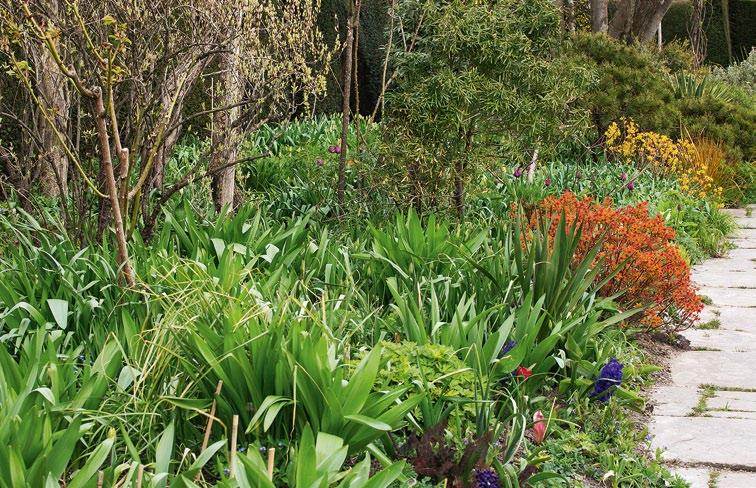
662,153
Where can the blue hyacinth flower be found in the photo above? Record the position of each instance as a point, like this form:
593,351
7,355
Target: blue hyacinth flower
608,381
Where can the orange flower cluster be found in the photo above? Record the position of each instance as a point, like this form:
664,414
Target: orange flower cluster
655,275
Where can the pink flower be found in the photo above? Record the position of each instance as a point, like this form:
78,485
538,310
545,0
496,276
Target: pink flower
539,427
518,172
337,149
623,176
547,182
631,185
332,149
319,162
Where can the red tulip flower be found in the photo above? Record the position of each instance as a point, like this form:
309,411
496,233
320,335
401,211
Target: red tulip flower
524,372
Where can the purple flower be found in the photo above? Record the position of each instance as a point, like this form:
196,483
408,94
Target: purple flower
547,182
319,162
486,478
623,176
609,378
332,149
337,149
631,185
518,172
507,347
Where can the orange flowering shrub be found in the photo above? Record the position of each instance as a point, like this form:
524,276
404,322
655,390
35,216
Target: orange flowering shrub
655,276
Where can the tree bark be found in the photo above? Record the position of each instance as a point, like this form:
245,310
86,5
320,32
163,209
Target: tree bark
600,15
648,18
569,15
346,109
726,27
110,183
53,89
226,136
459,174
174,88
621,24
638,19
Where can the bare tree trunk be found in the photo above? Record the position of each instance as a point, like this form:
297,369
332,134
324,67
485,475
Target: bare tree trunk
459,173
648,18
174,89
638,19
600,15
346,108
726,27
459,188
112,190
54,90
621,24
226,136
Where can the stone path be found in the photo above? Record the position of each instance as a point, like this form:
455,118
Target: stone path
705,421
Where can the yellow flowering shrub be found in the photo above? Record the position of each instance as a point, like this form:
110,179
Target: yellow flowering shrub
695,167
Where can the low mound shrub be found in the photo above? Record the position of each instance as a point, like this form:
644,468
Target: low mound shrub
655,274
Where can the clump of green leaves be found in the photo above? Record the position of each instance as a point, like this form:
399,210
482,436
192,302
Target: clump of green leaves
485,81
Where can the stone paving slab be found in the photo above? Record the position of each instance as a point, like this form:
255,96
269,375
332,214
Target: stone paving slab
744,243
721,340
747,222
733,297
730,414
734,479
720,368
735,264
736,400
723,436
738,253
731,318
724,278
675,401
706,440
697,477
740,212
745,233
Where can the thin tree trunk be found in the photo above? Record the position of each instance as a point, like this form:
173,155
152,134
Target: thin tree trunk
569,15
459,188
53,89
459,174
345,109
600,15
726,27
226,137
112,190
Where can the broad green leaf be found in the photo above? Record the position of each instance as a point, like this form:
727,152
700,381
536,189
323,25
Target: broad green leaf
59,309
95,460
370,422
